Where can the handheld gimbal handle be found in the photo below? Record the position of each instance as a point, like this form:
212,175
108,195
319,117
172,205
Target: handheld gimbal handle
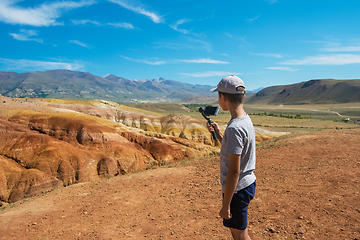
213,132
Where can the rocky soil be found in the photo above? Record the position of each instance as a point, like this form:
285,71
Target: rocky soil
308,188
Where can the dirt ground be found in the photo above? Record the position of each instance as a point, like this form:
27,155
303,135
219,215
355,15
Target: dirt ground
307,188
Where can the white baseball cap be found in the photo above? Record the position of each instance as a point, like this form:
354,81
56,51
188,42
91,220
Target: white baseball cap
230,84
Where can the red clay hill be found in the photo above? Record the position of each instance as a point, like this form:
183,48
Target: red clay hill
47,144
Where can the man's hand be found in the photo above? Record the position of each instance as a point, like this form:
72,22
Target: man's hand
213,127
225,213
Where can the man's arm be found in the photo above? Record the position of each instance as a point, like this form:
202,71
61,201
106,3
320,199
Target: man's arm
232,179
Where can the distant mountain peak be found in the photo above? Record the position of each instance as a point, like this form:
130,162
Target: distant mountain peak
108,75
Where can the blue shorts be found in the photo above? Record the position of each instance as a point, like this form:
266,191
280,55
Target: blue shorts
239,208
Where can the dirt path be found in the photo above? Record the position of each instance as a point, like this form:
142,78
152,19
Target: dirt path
308,188
327,111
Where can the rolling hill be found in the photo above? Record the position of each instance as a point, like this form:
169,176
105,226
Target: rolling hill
82,85
324,91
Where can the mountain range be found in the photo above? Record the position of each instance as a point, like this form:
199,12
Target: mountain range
83,85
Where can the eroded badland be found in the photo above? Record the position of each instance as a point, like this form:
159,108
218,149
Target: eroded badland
307,182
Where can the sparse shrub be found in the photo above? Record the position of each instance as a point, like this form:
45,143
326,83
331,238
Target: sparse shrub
194,107
297,116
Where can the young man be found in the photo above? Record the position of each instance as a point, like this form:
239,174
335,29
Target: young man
237,157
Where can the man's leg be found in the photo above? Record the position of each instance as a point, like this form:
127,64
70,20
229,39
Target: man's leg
239,210
240,234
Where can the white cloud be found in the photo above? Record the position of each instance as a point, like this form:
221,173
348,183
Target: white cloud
283,69
85,21
117,25
122,25
33,65
125,4
272,1
342,49
237,38
209,74
155,61
274,55
185,43
203,60
26,35
253,19
147,61
179,22
331,59
80,43
42,15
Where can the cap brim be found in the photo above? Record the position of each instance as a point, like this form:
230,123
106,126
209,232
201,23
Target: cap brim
214,90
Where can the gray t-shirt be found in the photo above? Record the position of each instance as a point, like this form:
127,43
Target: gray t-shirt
239,138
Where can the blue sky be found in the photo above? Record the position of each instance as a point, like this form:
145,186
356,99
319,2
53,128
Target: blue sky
265,42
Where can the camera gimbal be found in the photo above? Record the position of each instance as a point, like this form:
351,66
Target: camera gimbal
207,111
